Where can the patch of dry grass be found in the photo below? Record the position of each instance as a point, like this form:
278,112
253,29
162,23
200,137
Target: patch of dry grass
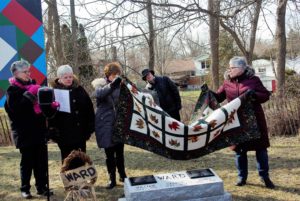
284,169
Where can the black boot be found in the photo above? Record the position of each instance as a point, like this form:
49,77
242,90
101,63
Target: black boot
121,169
112,181
241,182
111,168
268,183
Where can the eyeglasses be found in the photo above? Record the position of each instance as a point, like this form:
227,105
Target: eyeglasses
25,71
232,68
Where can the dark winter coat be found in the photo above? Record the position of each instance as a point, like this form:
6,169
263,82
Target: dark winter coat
168,94
232,88
107,100
28,128
77,126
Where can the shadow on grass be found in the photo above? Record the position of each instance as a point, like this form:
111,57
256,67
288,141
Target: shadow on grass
137,159
284,189
252,198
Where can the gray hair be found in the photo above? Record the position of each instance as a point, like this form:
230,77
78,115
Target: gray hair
238,62
63,70
18,66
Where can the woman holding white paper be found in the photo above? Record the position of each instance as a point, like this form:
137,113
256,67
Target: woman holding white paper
75,125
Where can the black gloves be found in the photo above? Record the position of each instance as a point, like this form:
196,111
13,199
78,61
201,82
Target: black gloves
116,82
204,87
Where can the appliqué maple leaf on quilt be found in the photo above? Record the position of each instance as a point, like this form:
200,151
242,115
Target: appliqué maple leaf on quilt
134,90
213,123
193,138
140,123
197,128
231,117
138,108
152,103
174,125
153,118
155,134
174,143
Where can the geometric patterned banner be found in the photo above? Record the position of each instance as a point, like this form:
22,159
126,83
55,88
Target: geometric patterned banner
142,123
21,36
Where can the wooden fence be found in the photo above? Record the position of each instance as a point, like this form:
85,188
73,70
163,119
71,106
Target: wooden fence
5,133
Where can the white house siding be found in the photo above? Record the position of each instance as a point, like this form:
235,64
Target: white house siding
264,70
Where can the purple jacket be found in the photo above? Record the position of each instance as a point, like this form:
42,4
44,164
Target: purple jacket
232,88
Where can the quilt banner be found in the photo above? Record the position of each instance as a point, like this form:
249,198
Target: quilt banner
21,36
142,123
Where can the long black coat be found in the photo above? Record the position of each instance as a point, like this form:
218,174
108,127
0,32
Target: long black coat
168,94
77,126
107,100
28,128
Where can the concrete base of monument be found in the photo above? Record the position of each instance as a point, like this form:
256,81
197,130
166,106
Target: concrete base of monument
194,185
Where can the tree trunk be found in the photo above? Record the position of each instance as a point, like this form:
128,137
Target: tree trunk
57,35
114,55
280,38
49,43
253,32
74,37
214,6
247,52
151,36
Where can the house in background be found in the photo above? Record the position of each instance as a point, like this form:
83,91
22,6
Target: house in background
188,73
202,64
265,71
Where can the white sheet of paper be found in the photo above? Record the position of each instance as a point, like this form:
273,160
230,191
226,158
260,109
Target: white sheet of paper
63,97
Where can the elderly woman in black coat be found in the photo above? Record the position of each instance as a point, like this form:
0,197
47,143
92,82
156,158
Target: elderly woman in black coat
74,128
107,94
28,128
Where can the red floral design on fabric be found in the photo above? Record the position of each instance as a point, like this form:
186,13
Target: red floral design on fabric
197,128
174,125
194,138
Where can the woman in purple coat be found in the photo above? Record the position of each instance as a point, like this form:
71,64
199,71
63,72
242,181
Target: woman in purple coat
240,79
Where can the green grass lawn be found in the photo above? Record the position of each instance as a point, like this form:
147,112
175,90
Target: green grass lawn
284,169
190,95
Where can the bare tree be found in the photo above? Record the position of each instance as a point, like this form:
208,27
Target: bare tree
280,38
151,36
74,37
214,7
54,27
243,28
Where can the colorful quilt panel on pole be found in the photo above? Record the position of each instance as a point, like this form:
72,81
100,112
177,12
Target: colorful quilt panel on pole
142,123
21,36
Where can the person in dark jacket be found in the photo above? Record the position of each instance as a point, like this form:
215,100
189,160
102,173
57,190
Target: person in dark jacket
73,128
28,127
240,79
167,92
107,94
